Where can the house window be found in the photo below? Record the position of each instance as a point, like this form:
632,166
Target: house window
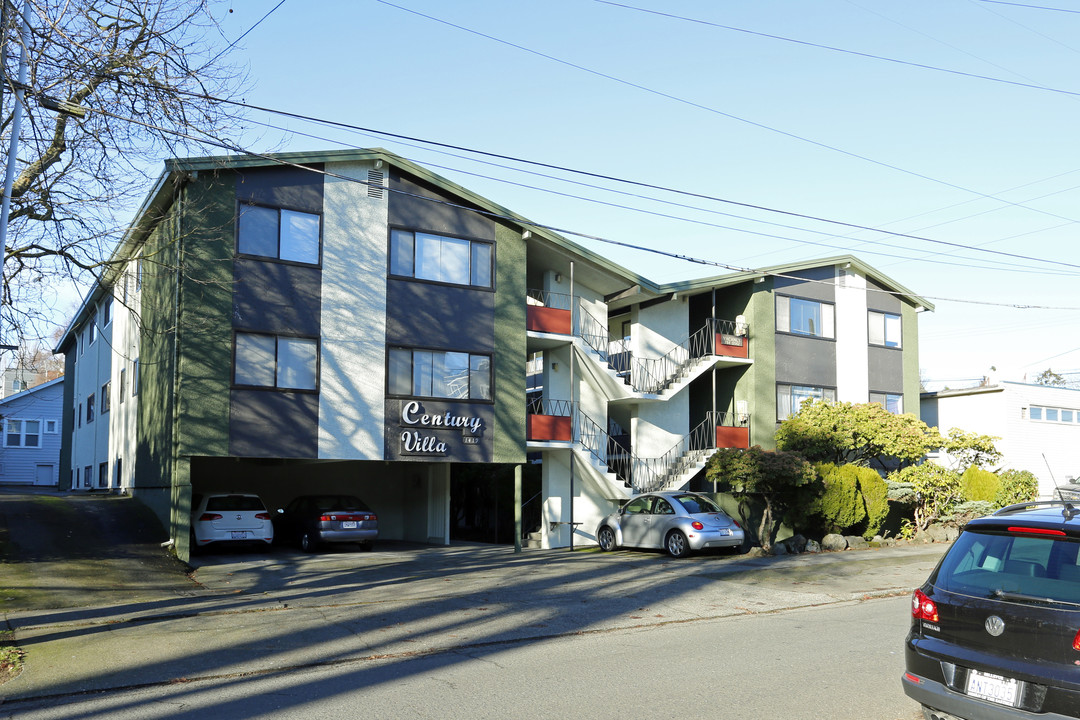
103,475
106,312
87,475
17,385
22,433
278,233
50,427
1054,414
79,415
892,402
789,398
90,408
884,329
436,374
805,317
117,475
442,259
106,397
123,385
287,363
135,377
93,328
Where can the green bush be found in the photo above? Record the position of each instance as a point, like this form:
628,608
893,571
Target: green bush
875,494
840,506
965,512
979,484
1016,486
938,490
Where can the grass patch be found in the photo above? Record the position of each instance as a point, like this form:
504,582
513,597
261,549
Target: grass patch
11,657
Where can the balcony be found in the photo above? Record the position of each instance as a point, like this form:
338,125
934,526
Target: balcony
549,421
731,339
548,312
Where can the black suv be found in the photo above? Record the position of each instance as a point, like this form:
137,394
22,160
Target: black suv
995,630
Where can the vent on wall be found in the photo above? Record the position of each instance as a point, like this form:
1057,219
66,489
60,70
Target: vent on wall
375,183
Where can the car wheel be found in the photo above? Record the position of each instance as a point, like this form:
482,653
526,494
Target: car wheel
606,538
308,543
677,545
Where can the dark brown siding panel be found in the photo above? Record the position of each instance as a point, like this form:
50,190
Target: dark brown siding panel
416,213
805,361
277,298
274,424
285,187
438,316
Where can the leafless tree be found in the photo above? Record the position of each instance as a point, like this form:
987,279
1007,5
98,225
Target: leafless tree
147,73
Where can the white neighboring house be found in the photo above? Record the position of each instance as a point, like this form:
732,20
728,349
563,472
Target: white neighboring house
1039,426
31,450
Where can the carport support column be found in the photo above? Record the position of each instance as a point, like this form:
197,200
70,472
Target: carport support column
439,503
517,508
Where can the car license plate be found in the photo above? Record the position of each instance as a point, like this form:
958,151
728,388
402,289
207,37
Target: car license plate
238,534
725,531
992,687
348,525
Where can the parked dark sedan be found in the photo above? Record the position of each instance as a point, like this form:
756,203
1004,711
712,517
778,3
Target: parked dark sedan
311,520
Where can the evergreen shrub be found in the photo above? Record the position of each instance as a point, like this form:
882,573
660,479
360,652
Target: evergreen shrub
979,484
1016,486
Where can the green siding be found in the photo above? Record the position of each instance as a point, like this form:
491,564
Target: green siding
761,378
510,294
205,328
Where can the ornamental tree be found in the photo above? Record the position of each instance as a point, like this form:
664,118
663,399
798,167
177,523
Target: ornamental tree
774,478
971,450
863,433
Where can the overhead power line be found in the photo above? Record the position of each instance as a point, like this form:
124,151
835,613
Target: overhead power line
871,56
635,183
553,228
1033,7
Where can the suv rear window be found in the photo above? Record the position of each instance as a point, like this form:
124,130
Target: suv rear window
235,502
985,564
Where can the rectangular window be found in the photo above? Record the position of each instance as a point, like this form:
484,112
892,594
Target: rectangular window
135,377
1051,414
1054,414
441,259
90,408
892,402
106,397
436,374
279,233
93,328
87,475
789,398
79,415
123,385
51,427
103,475
805,317
884,329
288,363
106,312
1036,413
22,433
1067,416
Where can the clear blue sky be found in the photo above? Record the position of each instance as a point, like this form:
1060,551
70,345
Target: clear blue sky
738,116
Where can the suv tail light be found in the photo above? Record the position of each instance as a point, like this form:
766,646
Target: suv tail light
1076,641
923,608
207,517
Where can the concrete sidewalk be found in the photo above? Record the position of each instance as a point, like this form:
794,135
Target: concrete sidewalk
256,613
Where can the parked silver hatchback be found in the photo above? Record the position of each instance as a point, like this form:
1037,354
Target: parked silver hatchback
679,522
230,518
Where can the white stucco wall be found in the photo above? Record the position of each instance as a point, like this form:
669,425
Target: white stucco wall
123,421
93,368
353,363
852,338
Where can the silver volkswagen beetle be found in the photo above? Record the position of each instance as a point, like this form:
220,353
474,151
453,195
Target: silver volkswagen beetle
679,522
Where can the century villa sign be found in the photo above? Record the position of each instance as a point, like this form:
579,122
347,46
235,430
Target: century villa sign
418,436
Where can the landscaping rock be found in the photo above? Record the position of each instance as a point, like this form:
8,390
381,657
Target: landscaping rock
833,542
796,544
938,533
779,549
812,546
856,542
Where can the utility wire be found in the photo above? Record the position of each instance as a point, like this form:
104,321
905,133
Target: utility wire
233,43
922,66
1033,7
553,228
651,186
713,110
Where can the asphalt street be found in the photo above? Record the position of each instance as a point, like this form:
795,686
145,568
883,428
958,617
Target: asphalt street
254,614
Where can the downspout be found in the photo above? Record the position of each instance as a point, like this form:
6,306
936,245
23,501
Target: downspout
573,407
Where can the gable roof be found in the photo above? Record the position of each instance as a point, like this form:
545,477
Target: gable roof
24,394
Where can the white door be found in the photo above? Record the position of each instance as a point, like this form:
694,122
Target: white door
44,475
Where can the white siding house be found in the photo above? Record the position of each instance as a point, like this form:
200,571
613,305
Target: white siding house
1039,425
31,451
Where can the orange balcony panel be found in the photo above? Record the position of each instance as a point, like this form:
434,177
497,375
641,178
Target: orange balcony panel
547,320
733,437
548,427
732,346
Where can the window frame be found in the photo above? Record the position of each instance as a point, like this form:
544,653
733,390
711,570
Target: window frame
1044,414
241,204
469,370
22,433
828,324
884,401
825,391
278,369
106,398
90,407
394,269
884,316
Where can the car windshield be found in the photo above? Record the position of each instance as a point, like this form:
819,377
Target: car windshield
696,504
234,502
1021,568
